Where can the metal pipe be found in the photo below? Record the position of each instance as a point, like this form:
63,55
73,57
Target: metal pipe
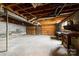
13,15
6,17
68,16
56,10
61,9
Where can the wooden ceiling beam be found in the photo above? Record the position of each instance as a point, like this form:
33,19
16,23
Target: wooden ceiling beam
30,7
44,13
49,10
48,13
26,11
40,14
41,10
11,5
39,6
72,9
36,11
25,8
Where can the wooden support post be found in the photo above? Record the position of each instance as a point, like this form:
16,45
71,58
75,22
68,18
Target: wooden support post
26,30
37,29
36,26
40,29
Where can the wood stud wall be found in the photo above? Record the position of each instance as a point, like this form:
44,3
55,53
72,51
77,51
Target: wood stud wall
48,29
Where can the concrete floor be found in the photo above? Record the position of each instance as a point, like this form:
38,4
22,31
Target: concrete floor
31,45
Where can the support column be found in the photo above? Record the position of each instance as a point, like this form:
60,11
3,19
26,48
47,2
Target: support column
6,18
40,30
37,29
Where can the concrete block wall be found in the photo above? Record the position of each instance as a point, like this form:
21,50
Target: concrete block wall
11,28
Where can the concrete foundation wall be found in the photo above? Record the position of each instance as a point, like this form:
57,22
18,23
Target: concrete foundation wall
11,28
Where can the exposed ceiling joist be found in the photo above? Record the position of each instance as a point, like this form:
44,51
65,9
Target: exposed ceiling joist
48,10
72,9
26,11
29,8
41,10
10,5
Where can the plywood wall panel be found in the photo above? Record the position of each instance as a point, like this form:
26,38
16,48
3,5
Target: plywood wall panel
30,30
48,29
43,30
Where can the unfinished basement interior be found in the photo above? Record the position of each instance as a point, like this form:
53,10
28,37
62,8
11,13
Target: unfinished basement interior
39,29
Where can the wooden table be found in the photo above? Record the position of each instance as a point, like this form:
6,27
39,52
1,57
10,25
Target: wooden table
67,38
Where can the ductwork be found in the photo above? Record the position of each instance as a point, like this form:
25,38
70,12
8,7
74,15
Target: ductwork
13,15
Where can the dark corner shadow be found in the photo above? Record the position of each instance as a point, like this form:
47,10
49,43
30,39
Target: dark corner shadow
55,52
